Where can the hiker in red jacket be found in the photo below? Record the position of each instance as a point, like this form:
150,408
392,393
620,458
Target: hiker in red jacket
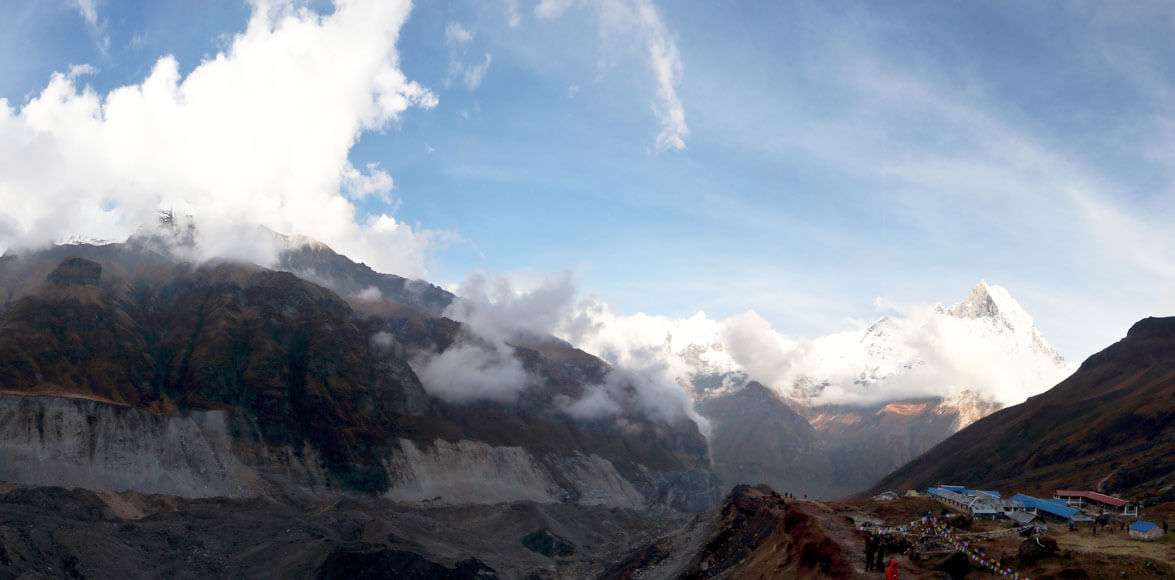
891,573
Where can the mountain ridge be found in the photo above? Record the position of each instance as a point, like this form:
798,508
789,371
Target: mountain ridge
1108,427
272,377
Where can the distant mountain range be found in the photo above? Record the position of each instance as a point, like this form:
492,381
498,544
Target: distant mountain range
320,362
1110,427
790,438
132,367
124,366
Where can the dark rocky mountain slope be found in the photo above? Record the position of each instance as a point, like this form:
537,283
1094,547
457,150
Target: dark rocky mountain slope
1108,427
123,368
828,451
757,438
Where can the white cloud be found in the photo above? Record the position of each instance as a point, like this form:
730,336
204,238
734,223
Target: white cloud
258,134
666,64
88,10
552,8
473,371
500,307
80,70
481,364
642,18
455,33
383,340
474,73
498,311
923,351
368,294
470,73
513,13
597,403
360,185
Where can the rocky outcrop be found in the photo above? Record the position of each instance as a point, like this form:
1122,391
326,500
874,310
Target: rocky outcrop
755,533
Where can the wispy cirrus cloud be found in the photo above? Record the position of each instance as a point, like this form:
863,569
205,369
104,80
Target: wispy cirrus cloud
642,19
88,10
470,71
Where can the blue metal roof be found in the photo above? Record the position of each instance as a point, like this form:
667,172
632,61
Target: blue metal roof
1141,526
961,490
1048,506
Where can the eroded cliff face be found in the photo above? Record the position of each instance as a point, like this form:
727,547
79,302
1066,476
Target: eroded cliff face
234,380
75,442
474,472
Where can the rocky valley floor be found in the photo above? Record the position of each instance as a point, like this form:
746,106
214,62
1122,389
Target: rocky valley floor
48,532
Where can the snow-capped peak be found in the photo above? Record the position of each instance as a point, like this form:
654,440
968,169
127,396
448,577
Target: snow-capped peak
993,302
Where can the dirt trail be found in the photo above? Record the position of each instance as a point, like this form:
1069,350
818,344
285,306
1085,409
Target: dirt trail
840,529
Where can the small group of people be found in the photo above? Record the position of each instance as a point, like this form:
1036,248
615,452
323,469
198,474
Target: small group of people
876,546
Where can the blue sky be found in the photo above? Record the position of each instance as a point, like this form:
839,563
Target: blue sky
836,152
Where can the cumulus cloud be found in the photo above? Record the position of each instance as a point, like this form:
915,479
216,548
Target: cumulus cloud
500,307
494,312
258,134
500,311
648,391
461,67
473,370
641,17
359,185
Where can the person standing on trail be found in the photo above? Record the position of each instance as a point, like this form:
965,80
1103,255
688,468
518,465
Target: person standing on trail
870,550
879,563
891,573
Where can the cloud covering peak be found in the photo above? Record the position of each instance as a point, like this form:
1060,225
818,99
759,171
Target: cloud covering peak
986,344
258,134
